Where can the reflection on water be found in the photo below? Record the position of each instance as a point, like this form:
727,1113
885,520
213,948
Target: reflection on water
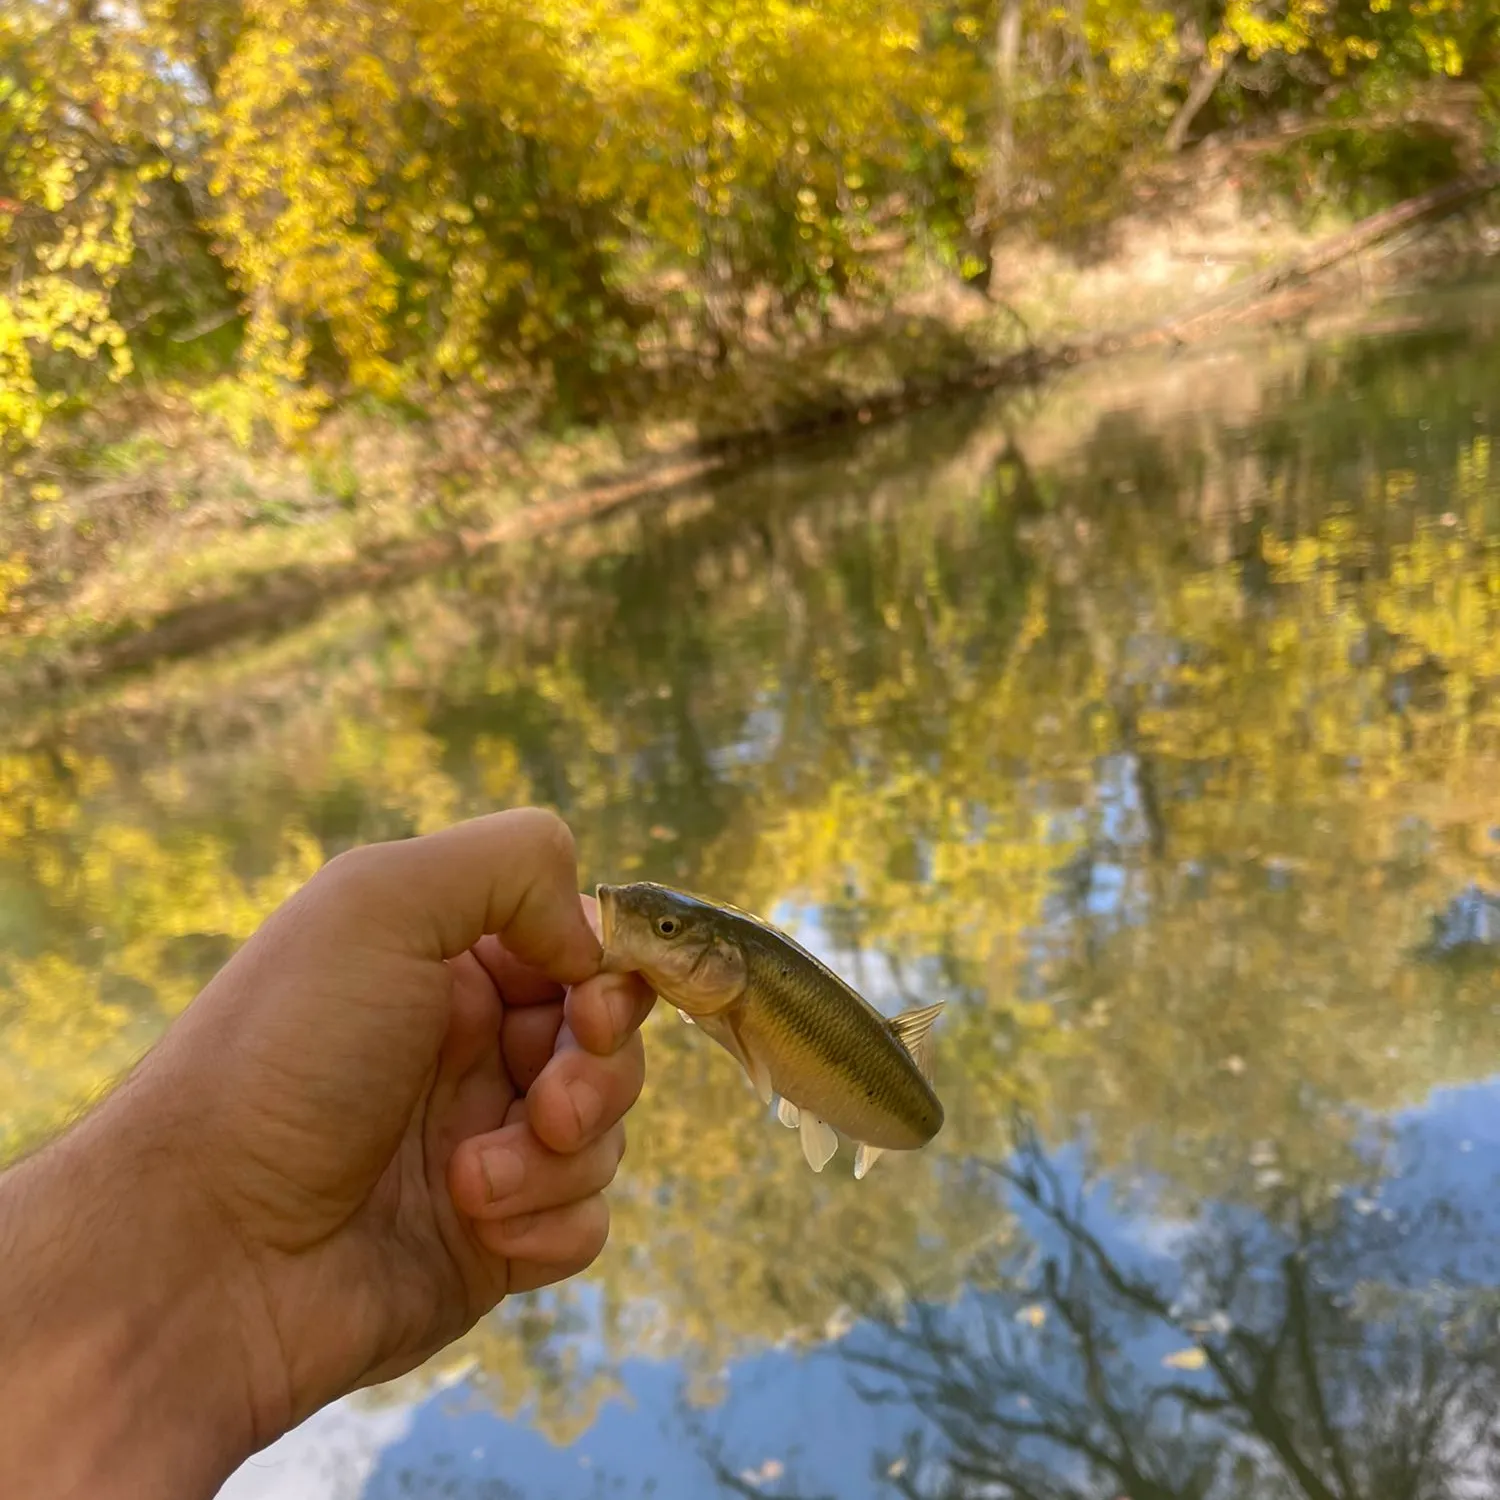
1343,1348
1154,723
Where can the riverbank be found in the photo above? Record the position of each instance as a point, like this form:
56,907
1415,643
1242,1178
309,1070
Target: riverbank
146,532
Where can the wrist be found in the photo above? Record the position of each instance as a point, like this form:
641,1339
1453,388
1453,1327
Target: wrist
123,1372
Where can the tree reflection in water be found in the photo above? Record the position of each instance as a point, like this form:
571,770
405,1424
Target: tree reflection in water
1337,1350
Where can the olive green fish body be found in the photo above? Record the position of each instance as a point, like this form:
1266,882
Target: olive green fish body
829,1050
797,1029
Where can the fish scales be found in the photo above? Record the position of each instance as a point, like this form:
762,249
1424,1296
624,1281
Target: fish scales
838,1059
796,1028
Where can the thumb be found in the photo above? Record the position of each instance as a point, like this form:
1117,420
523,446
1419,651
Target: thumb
514,874
329,1022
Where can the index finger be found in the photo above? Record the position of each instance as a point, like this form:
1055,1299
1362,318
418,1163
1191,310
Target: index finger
604,1012
513,874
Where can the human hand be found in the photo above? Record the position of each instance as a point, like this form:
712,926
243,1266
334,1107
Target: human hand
375,1122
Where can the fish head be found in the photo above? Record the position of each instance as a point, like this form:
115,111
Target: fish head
684,947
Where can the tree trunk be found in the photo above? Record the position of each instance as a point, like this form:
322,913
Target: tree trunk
998,182
1205,81
1007,55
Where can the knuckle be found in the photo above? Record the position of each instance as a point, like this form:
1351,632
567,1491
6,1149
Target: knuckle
354,875
549,832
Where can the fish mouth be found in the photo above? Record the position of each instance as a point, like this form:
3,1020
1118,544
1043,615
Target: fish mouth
605,896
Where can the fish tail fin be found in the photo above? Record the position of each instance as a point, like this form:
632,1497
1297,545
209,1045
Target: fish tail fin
819,1141
866,1157
913,1030
787,1113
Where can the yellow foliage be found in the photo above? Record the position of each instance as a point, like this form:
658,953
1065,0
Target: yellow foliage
400,193
1162,806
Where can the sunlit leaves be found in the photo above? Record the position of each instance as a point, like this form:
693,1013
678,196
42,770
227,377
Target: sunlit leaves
87,112
397,194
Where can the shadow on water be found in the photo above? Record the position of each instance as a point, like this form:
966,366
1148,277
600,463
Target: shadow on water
1156,727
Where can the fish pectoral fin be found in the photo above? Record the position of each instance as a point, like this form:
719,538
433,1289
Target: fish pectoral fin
722,1029
866,1157
787,1113
913,1028
819,1141
682,1015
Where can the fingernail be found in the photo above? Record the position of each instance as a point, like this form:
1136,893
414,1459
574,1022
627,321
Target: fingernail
503,1171
518,1228
592,917
588,1104
616,994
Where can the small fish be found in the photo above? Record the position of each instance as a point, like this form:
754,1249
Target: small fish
800,1033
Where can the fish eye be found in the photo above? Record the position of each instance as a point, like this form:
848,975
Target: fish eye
668,926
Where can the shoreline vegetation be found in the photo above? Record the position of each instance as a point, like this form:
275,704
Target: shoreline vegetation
554,486
296,308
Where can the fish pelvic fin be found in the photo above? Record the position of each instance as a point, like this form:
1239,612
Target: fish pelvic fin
866,1157
682,1015
819,1141
788,1113
721,1028
913,1030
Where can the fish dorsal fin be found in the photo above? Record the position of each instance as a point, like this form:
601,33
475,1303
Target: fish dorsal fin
913,1030
819,1141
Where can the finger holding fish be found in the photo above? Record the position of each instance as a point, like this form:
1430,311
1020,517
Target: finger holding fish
604,1012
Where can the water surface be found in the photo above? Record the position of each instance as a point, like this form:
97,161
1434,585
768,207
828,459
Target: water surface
1152,720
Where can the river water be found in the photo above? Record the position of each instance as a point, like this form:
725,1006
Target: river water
1151,719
